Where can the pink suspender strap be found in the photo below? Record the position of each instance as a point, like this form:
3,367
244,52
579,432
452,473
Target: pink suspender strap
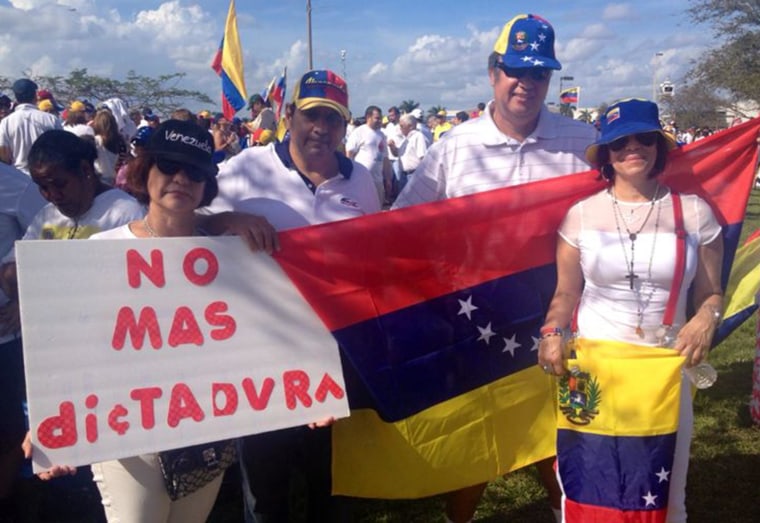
675,289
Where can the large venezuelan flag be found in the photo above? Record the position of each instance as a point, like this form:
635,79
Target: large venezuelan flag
617,419
228,64
437,309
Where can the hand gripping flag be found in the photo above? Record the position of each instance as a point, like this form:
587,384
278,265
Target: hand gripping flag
228,64
617,419
437,309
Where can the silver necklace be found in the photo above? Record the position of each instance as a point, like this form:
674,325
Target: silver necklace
154,234
631,235
149,229
641,304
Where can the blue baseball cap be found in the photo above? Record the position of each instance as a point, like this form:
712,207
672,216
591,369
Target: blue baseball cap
527,41
627,117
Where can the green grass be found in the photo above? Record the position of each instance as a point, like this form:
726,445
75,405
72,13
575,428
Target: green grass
724,472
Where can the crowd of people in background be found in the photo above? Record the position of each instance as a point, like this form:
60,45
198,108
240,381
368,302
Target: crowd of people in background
116,141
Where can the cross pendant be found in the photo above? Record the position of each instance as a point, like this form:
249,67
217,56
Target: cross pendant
630,277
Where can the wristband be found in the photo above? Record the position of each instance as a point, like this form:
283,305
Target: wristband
550,331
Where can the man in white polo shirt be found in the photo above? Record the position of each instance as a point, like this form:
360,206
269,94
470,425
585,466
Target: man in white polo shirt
298,182
24,125
516,140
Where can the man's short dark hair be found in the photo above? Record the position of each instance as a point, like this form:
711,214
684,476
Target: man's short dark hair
371,109
393,109
462,116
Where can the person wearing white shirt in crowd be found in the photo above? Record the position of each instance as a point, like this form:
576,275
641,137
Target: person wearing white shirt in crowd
421,127
76,120
411,151
516,141
20,129
392,131
20,200
368,146
301,181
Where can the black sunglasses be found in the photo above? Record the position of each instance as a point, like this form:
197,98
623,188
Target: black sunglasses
170,168
645,139
539,74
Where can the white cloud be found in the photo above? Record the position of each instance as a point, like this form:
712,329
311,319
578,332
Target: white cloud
619,12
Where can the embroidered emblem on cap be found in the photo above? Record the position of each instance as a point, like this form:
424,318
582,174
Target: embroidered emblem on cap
174,136
613,114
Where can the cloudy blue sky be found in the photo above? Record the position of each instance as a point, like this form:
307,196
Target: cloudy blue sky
433,52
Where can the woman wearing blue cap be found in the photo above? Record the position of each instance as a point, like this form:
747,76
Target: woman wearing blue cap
617,261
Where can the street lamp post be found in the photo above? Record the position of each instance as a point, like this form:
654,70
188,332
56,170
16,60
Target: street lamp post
308,32
654,75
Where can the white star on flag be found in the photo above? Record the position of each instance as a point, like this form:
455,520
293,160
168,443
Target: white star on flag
663,475
510,345
486,333
527,58
536,341
537,62
466,307
541,36
534,46
649,499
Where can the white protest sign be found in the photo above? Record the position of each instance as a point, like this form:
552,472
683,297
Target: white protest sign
134,346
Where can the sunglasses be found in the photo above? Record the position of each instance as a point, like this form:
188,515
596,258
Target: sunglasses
645,139
170,168
539,74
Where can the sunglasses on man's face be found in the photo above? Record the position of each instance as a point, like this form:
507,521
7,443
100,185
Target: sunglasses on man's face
645,139
539,74
170,168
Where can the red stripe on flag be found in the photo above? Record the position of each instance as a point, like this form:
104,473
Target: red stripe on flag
358,269
216,63
579,513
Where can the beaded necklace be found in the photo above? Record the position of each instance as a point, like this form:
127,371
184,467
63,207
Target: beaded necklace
633,236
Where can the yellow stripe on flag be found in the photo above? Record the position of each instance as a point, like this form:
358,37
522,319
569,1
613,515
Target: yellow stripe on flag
467,440
621,390
232,54
744,282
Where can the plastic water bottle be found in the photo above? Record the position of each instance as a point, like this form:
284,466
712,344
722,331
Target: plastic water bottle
702,375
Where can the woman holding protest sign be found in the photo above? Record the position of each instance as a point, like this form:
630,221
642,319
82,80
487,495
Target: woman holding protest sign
626,259
174,176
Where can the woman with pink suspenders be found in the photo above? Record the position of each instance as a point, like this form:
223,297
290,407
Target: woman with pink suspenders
626,258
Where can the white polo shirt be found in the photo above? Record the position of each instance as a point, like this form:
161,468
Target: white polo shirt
476,156
264,181
21,128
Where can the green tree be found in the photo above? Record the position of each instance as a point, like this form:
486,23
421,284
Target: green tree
567,110
694,105
407,106
435,109
586,115
734,65
163,93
